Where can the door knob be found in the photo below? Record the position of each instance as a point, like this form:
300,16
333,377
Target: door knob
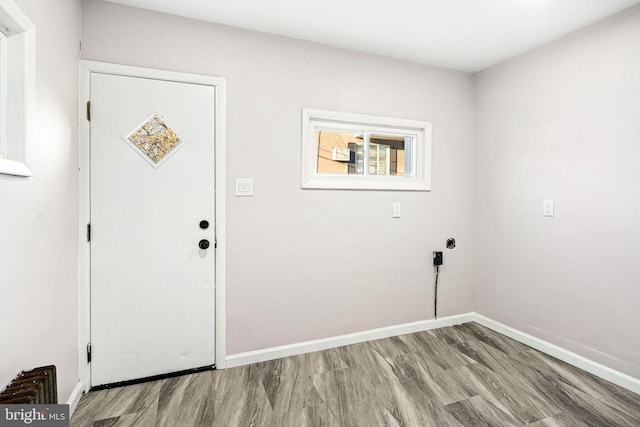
204,244
204,224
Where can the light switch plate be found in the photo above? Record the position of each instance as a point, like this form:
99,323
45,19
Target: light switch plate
397,210
244,187
547,208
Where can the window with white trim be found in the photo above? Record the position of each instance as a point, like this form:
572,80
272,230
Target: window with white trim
17,88
355,151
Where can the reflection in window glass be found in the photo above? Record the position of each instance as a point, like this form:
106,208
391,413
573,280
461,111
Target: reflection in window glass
339,152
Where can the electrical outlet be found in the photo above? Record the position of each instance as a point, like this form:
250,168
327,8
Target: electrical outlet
437,258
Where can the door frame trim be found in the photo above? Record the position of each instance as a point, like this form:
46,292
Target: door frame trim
84,205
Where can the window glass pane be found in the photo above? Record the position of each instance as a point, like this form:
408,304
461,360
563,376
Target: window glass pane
339,152
390,155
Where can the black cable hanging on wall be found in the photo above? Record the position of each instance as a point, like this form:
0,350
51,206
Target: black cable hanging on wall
437,262
435,295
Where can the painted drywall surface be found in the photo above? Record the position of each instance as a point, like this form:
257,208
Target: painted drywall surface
309,264
561,123
39,215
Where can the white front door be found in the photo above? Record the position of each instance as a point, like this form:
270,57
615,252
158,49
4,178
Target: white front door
152,189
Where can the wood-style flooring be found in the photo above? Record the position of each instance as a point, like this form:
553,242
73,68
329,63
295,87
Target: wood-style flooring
465,375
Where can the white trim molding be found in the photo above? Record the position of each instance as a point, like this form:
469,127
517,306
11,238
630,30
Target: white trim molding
597,369
604,372
73,400
84,260
272,353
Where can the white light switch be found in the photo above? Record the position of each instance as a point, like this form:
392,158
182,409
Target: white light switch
397,210
547,207
244,187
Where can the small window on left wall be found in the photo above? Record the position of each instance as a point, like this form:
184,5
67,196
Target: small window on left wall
17,89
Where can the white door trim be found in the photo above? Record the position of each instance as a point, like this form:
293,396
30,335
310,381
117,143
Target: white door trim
84,249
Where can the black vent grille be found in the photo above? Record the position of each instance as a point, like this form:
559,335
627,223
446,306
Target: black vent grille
36,387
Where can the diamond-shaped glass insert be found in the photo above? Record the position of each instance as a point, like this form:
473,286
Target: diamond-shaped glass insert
155,138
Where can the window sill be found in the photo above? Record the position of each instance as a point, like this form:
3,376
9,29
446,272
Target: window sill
345,183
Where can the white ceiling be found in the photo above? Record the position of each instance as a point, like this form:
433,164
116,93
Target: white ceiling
466,35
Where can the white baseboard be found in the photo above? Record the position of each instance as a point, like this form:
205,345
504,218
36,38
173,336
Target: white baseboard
342,340
76,394
616,377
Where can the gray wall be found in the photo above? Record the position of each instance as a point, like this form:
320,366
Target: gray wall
562,122
39,215
309,264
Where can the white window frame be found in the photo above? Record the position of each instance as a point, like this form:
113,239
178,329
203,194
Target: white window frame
419,180
17,90
420,130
